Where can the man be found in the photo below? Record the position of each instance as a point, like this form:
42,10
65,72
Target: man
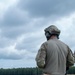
54,56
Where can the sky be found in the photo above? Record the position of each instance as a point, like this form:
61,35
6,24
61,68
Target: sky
22,24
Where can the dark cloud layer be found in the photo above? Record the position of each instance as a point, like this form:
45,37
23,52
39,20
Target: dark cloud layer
16,19
13,17
46,8
12,32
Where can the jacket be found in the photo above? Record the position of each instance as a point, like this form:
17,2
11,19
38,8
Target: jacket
54,56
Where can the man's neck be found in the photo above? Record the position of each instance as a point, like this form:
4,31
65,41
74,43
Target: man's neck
53,37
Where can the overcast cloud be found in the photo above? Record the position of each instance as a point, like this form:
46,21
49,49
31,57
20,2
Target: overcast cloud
22,24
47,8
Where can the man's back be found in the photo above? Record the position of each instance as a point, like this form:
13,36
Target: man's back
56,57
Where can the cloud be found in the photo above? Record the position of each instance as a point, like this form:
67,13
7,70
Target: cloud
30,41
67,27
4,42
47,8
5,4
23,63
13,23
8,52
10,49
14,17
11,32
12,29
11,53
16,22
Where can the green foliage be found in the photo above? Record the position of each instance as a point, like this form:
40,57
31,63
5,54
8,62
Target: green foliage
71,70
28,71
21,71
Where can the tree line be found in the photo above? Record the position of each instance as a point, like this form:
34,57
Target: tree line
71,70
28,71
21,71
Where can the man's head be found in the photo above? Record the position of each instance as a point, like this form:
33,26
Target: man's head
52,30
